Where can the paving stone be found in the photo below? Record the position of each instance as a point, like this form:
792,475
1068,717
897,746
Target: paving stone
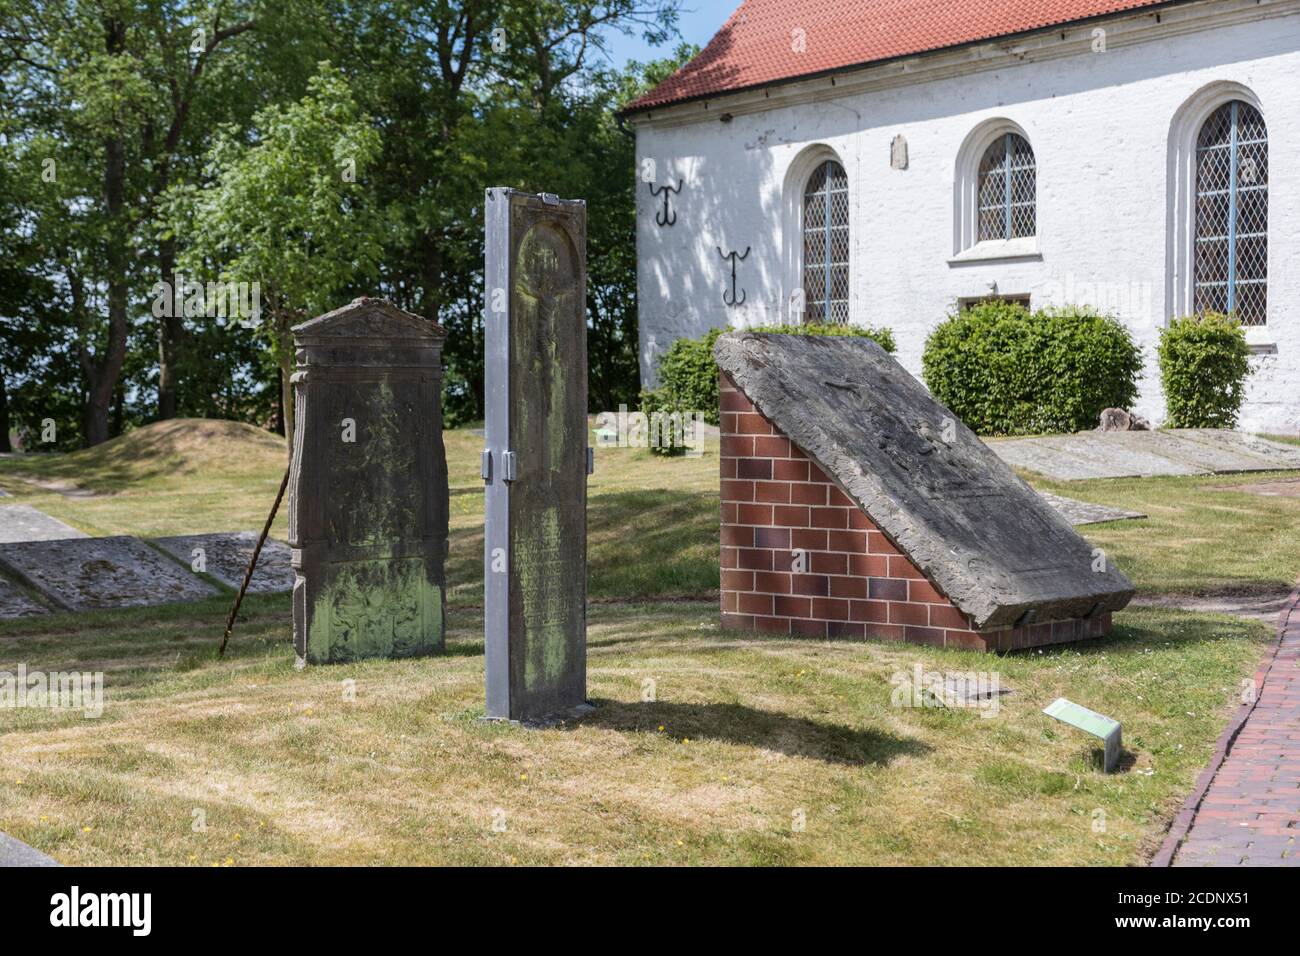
15,603
225,557
984,537
96,573
25,523
16,853
1085,512
1147,453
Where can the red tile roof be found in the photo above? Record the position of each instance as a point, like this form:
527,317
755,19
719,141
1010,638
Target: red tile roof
756,45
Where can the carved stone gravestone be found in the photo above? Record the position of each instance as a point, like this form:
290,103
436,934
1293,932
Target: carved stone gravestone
535,463
368,495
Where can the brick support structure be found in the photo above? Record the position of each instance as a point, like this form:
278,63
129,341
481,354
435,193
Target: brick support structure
799,557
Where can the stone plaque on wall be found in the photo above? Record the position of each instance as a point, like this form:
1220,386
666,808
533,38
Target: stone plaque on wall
535,462
368,497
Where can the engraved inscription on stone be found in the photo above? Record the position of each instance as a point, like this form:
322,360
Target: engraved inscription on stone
368,498
536,619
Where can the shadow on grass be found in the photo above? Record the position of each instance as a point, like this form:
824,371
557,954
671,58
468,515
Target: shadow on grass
640,544
749,727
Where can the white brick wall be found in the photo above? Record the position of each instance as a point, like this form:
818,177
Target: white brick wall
1100,126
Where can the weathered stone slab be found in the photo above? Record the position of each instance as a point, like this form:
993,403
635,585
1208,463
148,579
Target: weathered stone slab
1131,454
16,853
224,556
985,538
25,523
1231,451
14,603
368,496
1085,512
80,574
535,456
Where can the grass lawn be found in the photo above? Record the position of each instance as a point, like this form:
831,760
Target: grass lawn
745,733
286,769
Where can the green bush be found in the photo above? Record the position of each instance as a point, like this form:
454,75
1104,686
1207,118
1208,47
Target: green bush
1204,361
1004,370
688,375
882,337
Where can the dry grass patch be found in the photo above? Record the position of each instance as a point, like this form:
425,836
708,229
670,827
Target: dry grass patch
745,736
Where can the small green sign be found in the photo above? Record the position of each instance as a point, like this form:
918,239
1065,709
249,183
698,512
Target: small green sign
1090,722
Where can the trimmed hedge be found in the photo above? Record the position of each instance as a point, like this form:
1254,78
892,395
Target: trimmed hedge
1204,361
688,375
1004,370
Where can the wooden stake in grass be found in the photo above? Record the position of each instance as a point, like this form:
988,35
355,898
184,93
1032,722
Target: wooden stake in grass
252,563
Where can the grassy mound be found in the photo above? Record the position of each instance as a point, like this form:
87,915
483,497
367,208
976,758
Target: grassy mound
182,446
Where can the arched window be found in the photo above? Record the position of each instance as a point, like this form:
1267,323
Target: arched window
1231,237
1008,185
826,244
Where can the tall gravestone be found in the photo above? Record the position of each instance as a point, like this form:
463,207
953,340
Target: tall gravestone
536,459
368,495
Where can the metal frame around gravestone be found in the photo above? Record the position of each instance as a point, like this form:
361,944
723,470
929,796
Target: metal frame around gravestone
368,516
536,459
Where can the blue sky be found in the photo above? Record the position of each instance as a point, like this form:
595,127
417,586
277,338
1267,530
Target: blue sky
699,20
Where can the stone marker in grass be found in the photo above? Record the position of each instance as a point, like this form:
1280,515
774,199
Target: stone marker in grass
535,458
1090,722
368,497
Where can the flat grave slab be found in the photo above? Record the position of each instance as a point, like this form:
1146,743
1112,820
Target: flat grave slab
1085,512
14,603
16,853
224,555
25,523
82,574
1132,454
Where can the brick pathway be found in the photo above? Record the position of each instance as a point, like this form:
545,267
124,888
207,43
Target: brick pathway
1250,812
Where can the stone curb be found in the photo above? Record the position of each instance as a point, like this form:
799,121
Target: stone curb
1288,618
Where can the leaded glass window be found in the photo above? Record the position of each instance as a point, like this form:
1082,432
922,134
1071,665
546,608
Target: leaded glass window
1008,186
826,245
1231,248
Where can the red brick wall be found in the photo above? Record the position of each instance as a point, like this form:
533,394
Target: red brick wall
855,583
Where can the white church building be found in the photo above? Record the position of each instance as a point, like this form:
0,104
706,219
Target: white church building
884,162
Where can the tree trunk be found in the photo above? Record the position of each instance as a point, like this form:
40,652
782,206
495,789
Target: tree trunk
170,332
101,376
5,446
285,356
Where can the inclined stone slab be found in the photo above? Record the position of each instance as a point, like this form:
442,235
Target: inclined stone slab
987,539
368,496
14,603
82,574
1085,512
25,523
16,853
224,556
535,457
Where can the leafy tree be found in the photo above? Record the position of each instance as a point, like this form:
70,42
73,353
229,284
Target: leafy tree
289,213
